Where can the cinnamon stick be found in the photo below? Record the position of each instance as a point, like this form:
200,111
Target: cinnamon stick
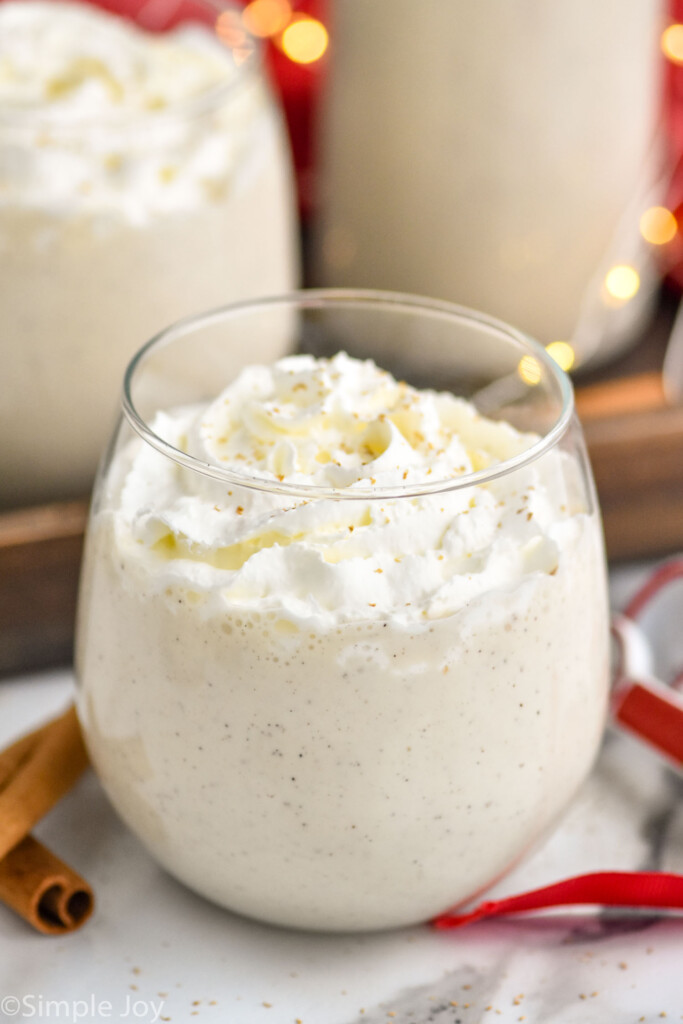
44,890
47,764
35,771
12,757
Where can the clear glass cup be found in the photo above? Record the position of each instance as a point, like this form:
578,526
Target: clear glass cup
351,718
114,224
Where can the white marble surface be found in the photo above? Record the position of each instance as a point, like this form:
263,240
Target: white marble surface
155,951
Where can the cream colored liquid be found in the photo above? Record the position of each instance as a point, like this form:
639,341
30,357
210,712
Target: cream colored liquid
361,777
341,715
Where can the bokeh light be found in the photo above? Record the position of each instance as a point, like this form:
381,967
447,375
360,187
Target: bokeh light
622,282
563,354
305,40
265,18
529,369
658,225
672,43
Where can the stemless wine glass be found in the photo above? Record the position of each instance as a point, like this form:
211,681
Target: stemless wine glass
345,706
145,175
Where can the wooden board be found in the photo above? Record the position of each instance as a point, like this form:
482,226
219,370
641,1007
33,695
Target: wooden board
40,556
635,442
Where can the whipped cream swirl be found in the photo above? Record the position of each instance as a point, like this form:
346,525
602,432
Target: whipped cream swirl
65,61
344,423
100,116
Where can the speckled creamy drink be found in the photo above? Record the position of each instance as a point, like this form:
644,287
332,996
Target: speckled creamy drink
143,176
350,713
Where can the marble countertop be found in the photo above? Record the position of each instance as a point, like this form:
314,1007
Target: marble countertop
154,951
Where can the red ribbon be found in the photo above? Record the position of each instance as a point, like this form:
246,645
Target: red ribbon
634,889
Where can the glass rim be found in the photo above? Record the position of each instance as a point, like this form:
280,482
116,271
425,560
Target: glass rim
316,298
35,118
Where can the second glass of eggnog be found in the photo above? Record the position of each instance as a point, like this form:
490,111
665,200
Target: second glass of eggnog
144,176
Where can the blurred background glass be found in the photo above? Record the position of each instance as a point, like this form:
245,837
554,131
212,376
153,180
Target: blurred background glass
503,155
122,210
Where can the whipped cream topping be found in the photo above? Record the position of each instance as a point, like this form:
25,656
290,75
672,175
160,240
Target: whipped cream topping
139,148
69,61
343,423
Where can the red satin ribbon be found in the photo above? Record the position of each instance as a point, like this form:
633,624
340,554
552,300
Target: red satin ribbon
651,890
668,572
653,714
647,708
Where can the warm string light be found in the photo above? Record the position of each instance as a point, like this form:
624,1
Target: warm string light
300,37
563,354
529,369
672,43
304,40
658,225
622,282
265,18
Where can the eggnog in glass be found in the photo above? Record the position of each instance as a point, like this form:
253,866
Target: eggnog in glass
342,647
144,176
